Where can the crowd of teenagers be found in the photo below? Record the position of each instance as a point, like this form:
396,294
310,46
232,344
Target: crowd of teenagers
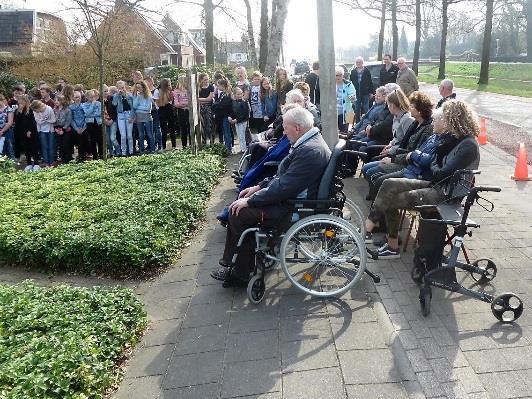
53,125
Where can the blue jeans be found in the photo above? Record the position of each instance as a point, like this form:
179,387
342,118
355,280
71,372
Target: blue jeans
361,106
370,169
146,130
126,132
7,144
112,143
157,129
47,140
226,128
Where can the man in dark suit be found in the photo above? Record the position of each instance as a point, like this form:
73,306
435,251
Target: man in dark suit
298,176
361,78
388,73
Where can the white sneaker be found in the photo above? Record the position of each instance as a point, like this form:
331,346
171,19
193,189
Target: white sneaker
385,252
28,168
36,168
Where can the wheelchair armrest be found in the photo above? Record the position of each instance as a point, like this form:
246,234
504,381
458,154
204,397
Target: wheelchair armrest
401,151
272,163
310,203
359,153
358,142
375,147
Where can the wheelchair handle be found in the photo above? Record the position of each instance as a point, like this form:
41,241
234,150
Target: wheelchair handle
467,172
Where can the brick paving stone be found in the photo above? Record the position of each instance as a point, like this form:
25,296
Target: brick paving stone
414,390
359,336
192,392
469,379
308,355
270,395
420,329
391,305
314,384
162,332
167,309
408,339
298,328
384,291
249,321
252,346
356,311
442,336
140,388
179,273
194,369
454,390
429,383
149,361
201,339
402,298
251,378
381,391
503,385
454,355
430,348
485,361
293,305
207,314
369,366
399,321
211,294
418,360
442,369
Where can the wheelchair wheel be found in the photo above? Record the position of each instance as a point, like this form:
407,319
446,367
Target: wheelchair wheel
256,289
507,307
425,296
323,255
354,215
489,270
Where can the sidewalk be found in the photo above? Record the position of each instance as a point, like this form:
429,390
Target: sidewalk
209,342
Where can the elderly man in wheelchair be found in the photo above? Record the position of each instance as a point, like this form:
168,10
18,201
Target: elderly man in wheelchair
322,253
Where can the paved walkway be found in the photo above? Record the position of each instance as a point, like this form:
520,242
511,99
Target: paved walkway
209,342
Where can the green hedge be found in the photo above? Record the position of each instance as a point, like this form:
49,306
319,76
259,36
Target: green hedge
64,342
119,217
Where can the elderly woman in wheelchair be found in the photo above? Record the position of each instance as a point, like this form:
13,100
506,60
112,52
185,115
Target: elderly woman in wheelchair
322,253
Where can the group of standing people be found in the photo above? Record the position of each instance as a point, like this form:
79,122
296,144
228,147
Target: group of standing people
248,107
48,125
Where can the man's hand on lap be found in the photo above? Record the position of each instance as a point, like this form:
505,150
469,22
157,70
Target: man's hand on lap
248,192
237,205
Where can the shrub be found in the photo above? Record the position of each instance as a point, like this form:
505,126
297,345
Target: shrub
117,217
64,342
7,81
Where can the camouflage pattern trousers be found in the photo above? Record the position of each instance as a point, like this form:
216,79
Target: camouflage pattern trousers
401,193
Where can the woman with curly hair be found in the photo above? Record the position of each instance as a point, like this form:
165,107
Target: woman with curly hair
459,150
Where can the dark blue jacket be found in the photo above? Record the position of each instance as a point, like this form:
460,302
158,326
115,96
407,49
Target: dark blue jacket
419,165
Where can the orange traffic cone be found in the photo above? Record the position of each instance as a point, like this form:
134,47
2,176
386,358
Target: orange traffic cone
482,137
521,166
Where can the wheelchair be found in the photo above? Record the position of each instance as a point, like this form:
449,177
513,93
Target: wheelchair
322,251
506,307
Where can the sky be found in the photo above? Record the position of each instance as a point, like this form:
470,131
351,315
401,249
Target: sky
351,27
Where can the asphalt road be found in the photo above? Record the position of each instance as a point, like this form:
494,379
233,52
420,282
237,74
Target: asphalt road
510,110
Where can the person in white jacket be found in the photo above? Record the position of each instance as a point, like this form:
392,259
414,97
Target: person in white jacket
45,119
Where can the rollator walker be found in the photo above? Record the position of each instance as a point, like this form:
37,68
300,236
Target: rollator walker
506,307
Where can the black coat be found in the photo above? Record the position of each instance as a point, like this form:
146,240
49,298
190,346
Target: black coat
381,130
110,108
224,107
313,81
240,110
366,85
24,123
388,76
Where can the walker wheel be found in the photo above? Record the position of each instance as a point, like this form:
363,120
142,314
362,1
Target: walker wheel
489,270
507,307
256,289
425,296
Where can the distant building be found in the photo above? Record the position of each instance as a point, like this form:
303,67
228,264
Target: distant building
199,37
30,32
237,52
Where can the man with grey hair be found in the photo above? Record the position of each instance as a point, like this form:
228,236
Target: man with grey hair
361,78
446,91
406,78
298,176
370,117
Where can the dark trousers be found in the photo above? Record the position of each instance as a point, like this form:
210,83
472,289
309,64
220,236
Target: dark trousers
19,137
95,140
184,126
83,144
257,151
166,116
31,146
65,145
248,217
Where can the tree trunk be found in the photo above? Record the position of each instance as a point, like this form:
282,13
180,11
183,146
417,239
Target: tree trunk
279,11
443,43
486,46
529,30
381,32
415,62
209,31
102,107
251,37
263,51
395,33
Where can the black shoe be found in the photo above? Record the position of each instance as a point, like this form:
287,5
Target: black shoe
369,197
221,274
223,263
368,239
234,282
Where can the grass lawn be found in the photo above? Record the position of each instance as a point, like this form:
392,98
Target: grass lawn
65,342
470,71
120,217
